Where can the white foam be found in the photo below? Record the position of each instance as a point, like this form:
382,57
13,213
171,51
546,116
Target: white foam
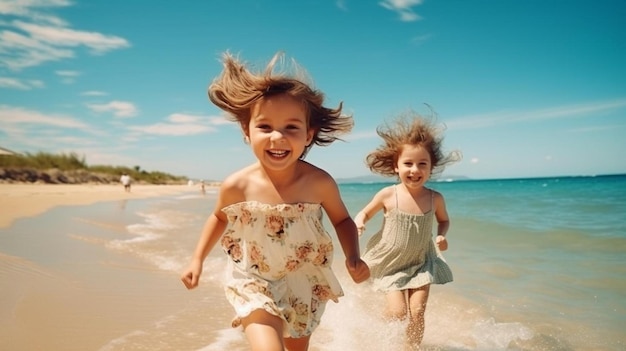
115,344
187,197
490,335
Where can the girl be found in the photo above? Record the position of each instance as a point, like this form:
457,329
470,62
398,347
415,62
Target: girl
268,216
402,256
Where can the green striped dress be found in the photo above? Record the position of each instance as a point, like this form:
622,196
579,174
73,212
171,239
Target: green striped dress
403,254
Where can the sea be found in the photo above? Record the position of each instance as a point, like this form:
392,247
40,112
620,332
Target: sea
538,264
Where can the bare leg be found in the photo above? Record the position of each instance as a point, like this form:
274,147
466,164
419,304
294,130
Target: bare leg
396,306
417,307
264,331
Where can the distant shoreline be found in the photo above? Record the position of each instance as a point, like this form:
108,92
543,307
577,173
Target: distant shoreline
442,179
28,200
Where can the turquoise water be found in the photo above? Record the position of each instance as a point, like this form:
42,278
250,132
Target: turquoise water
596,205
546,253
539,264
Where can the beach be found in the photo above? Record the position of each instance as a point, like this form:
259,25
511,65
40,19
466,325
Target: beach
61,288
538,264
27,200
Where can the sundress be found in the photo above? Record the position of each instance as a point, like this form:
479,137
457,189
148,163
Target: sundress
403,254
280,259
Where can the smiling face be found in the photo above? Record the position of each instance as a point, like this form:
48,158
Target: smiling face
413,166
278,131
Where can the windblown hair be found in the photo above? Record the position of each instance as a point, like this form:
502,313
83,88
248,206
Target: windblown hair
237,89
410,129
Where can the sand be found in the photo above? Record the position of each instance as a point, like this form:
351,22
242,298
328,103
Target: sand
59,293
28,200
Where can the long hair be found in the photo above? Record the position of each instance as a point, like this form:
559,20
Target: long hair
410,129
237,89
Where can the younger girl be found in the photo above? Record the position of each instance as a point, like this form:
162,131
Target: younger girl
268,215
402,255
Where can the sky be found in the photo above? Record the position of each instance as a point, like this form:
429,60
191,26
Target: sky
529,88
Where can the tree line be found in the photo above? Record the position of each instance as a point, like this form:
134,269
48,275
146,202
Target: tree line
72,162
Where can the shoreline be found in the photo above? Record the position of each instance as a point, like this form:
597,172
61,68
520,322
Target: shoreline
66,286
28,200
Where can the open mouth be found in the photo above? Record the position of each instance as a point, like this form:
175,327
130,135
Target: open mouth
415,178
278,153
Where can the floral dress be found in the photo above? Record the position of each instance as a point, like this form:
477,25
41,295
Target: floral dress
280,261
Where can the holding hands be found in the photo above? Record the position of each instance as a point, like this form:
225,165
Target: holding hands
358,269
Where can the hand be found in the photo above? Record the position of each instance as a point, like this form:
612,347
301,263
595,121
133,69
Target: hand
191,276
359,271
441,242
360,227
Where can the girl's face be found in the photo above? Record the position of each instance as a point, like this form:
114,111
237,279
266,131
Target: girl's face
279,131
413,166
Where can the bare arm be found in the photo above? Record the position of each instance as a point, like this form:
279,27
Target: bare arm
345,229
211,233
369,211
443,222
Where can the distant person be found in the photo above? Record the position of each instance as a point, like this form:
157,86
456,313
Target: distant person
125,180
268,215
403,257
202,187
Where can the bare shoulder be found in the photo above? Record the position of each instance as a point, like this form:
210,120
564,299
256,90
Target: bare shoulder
385,196
387,191
233,188
234,181
438,198
317,185
315,175
436,194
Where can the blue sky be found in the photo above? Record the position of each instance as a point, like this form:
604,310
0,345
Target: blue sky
526,88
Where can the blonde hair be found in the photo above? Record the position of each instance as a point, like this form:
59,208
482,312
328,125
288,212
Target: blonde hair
237,89
410,129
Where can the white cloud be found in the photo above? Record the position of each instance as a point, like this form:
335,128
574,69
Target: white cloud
94,93
37,37
369,134
18,51
68,77
183,118
10,116
33,10
597,128
505,117
67,73
218,121
20,84
179,124
118,108
71,140
186,118
403,8
59,36
173,129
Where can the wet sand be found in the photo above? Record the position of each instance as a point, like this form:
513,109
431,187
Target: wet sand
61,288
27,200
